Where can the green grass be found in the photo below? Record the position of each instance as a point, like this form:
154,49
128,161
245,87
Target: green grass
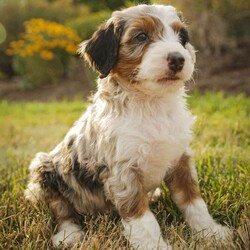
221,145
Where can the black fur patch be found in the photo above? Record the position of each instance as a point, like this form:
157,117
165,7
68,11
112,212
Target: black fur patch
87,178
102,48
53,182
184,37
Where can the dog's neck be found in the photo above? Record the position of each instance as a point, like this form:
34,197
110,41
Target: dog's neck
113,85
121,96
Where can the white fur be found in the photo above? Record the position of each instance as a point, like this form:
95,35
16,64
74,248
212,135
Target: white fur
155,58
138,132
199,219
33,192
144,233
167,13
68,234
163,138
158,52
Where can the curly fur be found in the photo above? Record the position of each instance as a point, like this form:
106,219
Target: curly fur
135,134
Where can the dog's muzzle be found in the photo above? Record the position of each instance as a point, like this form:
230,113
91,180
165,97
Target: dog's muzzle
175,61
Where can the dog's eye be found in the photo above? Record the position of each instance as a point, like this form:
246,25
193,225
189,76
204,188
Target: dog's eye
183,36
142,37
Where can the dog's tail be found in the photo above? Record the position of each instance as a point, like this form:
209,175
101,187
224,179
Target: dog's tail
40,164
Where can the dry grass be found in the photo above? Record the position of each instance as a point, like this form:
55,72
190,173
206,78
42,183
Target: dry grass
222,143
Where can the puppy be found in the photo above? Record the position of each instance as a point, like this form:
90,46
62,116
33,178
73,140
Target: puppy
135,135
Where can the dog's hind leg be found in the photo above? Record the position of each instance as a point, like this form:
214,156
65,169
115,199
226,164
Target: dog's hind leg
125,189
184,189
47,185
41,163
69,230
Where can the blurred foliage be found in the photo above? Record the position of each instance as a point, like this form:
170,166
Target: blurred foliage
87,25
100,5
44,37
33,71
215,25
97,5
42,40
13,13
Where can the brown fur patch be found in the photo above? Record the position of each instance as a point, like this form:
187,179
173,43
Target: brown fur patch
136,205
137,208
126,191
131,51
182,182
63,210
177,26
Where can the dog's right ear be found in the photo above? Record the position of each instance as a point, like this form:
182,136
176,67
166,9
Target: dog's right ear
101,50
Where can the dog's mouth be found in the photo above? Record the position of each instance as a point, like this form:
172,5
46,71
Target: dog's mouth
168,79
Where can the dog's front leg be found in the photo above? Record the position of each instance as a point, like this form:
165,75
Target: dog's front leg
125,189
184,189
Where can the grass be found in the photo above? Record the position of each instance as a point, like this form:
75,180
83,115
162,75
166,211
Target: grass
221,145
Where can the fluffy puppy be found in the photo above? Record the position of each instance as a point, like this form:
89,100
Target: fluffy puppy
135,135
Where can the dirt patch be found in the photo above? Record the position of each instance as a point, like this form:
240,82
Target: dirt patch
232,82
229,73
65,89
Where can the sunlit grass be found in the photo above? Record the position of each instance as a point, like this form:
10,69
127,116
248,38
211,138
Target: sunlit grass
221,146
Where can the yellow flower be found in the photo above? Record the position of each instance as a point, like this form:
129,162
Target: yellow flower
46,55
17,44
10,52
71,48
42,36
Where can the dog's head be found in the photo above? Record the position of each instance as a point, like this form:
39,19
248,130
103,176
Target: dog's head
146,46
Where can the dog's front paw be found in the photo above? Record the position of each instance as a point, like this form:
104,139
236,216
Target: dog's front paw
149,244
144,233
218,231
68,235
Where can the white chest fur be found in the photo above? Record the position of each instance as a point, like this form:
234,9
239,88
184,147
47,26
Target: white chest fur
152,135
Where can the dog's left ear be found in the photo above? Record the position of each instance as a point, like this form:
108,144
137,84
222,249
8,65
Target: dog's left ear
101,50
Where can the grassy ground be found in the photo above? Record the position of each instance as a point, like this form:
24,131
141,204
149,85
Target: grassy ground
222,146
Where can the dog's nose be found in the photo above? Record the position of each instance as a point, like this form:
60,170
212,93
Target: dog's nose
175,61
